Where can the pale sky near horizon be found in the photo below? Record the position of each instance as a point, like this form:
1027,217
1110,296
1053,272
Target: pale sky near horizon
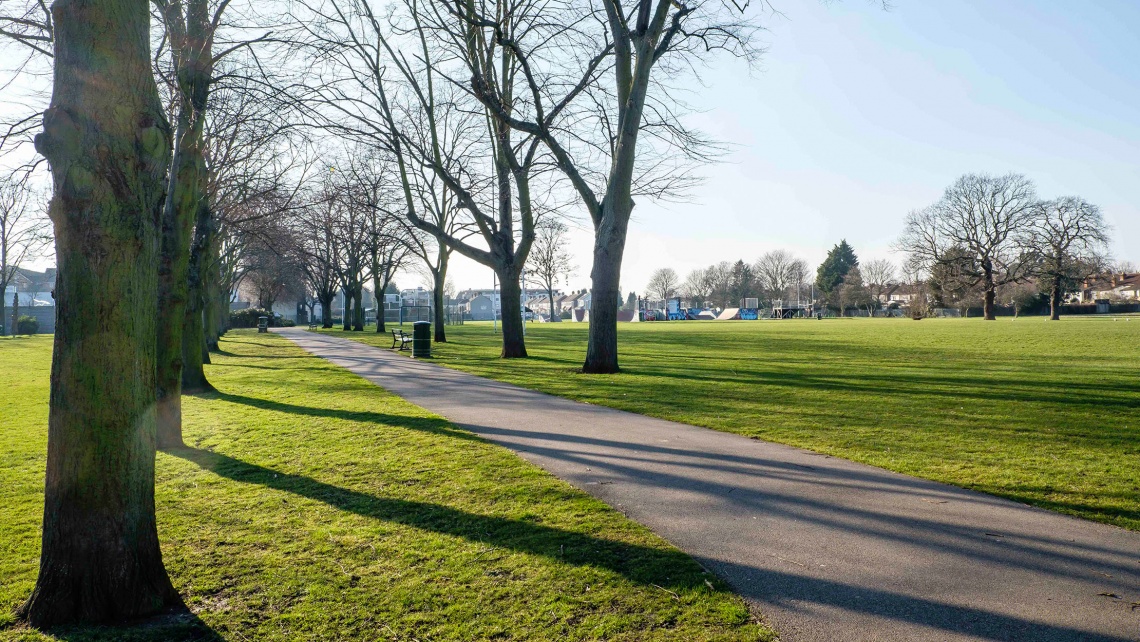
856,115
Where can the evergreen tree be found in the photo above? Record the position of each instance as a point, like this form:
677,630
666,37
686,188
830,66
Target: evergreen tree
834,268
630,302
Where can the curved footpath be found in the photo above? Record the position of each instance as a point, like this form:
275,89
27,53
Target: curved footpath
827,549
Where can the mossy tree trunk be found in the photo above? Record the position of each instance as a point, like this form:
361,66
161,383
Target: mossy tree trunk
108,145
188,31
194,353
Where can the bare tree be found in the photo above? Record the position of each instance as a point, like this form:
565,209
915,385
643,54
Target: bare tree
609,59
377,83
697,287
982,226
190,33
549,259
1070,239
879,276
24,233
775,273
314,227
273,267
108,144
662,284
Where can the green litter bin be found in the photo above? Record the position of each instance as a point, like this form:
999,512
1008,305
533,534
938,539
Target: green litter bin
421,339
263,324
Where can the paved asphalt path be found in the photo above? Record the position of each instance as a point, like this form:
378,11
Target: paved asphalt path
829,550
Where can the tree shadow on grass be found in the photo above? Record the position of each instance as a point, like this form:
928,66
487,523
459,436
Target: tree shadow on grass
659,568
433,425
638,563
177,626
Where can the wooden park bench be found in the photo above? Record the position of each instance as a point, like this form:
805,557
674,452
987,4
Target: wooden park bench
402,338
312,325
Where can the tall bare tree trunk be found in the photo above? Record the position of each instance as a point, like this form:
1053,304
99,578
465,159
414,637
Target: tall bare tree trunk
346,311
194,353
510,302
988,299
216,308
326,310
439,280
1055,299
605,296
108,145
378,285
185,192
358,308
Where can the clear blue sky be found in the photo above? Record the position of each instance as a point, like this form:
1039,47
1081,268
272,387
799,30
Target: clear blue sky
856,116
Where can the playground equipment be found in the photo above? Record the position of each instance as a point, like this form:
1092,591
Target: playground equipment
674,311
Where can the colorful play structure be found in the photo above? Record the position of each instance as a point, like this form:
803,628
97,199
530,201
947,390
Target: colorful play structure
749,310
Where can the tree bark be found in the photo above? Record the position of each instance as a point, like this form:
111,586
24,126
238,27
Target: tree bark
510,302
326,310
378,285
988,299
1055,299
194,353
184,193
438,279
609,248
216,309
186,190
358,308
108,145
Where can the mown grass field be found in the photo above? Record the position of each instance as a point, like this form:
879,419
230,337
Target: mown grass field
1046,413
312,505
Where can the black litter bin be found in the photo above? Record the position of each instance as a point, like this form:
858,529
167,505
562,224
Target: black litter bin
263,324
421,339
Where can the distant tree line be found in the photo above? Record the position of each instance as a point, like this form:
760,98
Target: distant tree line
993,234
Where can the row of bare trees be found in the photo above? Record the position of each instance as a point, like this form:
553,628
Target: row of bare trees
987,232
495,114
174,176
775,275
164,153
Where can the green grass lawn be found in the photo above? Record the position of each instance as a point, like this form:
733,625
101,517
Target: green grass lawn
1046,413
312,505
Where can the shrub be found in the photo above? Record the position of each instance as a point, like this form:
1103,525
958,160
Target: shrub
288,323
27,325
565,314
247,318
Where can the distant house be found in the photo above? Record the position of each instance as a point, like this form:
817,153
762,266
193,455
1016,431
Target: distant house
1113,287
481,308
485,305
33,288
903,294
